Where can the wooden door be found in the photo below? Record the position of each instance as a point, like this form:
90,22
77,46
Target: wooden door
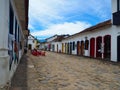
107,47
78,48
82,47
70,47
57,47
98,47
62,47
30,47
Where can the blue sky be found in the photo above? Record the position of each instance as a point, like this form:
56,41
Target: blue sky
50,17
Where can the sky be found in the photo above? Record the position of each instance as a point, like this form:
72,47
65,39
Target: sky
50,17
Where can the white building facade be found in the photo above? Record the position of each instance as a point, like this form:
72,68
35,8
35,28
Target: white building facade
13,27
54,43
49,41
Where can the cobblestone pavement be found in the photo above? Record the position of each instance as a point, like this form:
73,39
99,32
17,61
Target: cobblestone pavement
65,72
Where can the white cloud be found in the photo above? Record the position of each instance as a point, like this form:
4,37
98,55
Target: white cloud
31,26
65,28
43,11
49,13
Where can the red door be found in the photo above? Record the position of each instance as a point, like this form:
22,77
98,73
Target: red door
92,47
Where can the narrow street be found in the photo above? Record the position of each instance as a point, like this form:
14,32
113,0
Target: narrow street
65,72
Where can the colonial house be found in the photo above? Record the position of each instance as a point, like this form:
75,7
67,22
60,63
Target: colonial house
14,32
31,42
94,41
53,43
48,42
56,43
99,41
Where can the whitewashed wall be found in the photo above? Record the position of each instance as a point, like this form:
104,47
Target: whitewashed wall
5,73
114,31
21,37
30,41
59,46
114,5
4,28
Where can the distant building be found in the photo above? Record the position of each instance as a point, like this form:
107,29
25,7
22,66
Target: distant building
53,41
14,32
33,43
42,45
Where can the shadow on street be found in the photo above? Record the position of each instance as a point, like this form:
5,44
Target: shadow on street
19,80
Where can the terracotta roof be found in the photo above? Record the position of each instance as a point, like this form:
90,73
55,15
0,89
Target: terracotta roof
51,37
60,37
100,25
93,28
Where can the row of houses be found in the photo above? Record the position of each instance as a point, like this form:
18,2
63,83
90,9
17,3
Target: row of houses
53,43
100,41
14,33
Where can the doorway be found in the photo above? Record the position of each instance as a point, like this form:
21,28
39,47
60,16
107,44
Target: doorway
92,47
30,47
57,48
78,48
82,48
70,47
107,47
98,47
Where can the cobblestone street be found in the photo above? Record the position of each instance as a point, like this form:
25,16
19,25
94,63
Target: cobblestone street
65,72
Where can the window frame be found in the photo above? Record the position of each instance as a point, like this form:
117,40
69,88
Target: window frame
73,48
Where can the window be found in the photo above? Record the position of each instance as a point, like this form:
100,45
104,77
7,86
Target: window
11,20
19,34
86,44
15,29
73,45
